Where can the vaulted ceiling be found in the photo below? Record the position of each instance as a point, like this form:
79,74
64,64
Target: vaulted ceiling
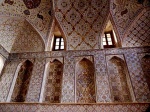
81,21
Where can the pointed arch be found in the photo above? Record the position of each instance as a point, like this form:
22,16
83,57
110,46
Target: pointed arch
119,82
29,41
22,82
139,14
41,37
54,82
116,37
53,33
137,34
85,82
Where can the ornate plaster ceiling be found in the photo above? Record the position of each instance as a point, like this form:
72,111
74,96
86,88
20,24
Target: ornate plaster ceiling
36,12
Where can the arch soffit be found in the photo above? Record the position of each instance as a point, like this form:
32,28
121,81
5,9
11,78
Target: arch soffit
138,15
19,17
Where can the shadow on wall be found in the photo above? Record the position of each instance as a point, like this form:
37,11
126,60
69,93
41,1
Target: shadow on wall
22,82
146,68
117,72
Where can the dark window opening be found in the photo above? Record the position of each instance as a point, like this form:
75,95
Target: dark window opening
58,43
108,40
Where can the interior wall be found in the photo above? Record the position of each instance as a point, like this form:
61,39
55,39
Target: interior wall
28,40
2,62
85,82
54,82
102,86
117,73
22,82
17,35
10,28
38,13
6,79
124,12
139,34
146,68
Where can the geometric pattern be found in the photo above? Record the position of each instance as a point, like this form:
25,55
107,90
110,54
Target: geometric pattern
36,80
68,91
127,107
28,40
6,79
84,19
9,30
85,87
123,13
53,86
102,83
20,32
103,88
117,72
140,86
139,34
145,62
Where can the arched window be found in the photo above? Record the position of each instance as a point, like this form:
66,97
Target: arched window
117,72
22,82
53,83
58,42
109,39
85,86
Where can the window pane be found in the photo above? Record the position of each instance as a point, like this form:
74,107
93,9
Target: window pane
104,39
57,39
62,39
61,47
62,43
56,47
109,43
57,43
104,43
108,35
109,39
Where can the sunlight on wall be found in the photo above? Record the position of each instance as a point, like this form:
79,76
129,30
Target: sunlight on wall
1,63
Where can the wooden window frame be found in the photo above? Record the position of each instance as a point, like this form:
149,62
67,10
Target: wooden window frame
54,44
106,38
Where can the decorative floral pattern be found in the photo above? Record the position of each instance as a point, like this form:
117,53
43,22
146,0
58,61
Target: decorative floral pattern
31,4
29,10
74,107
54,81
83,19
85,87
117,73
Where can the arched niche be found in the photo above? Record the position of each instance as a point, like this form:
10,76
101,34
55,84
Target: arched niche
146,68
85,82
22,82
54,82
119,82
